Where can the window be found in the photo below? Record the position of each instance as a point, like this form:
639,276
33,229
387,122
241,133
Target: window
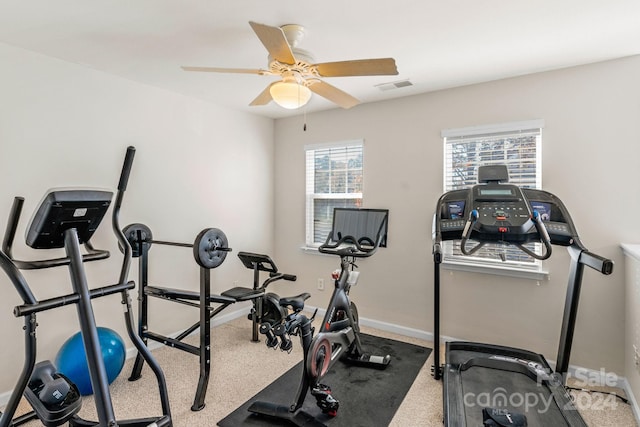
334,179
518,145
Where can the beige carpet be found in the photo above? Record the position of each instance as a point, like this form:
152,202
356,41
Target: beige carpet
241,368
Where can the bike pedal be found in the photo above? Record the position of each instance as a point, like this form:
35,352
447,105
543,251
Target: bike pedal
320,389
324,400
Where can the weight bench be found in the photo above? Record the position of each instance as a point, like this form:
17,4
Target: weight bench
266,306
209,248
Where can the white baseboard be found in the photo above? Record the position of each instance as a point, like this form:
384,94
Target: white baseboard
632,400
387,327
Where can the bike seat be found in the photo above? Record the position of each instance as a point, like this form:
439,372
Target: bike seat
296,303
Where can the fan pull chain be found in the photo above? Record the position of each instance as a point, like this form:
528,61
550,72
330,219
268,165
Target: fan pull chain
304,127
304,108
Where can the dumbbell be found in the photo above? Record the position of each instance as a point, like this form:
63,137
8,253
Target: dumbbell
272,341
54,390
285,343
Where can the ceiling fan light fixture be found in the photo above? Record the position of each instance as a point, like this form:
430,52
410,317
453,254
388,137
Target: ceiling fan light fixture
290,95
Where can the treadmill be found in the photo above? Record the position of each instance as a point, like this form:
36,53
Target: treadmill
518,387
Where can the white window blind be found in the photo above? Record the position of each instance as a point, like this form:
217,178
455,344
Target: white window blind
333,179
516,145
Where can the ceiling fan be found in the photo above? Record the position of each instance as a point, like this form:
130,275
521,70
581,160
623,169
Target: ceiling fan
300,75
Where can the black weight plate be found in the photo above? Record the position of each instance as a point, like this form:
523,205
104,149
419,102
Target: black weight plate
210,248
272,311
131,234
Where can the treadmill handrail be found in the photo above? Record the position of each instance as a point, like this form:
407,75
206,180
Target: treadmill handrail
544,239
597,262
17,279
466,234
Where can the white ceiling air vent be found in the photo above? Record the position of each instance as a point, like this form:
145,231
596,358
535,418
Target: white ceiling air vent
394,85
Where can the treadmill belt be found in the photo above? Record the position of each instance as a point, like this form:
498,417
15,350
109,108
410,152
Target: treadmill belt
494,388
478,376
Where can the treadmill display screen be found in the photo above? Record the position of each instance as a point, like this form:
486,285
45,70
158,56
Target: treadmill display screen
456,209
496,192
544,209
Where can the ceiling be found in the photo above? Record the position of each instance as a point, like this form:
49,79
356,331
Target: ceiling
436,44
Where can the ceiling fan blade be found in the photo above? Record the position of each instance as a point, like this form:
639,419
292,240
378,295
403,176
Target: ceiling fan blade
264,98
359,67
225,70
274,40
333,94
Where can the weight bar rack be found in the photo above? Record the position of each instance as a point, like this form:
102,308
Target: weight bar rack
210,249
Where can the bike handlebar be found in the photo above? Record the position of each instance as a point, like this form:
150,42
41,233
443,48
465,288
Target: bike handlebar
355,247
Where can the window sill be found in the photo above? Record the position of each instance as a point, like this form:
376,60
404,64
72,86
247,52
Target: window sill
472,268
313,250
496,270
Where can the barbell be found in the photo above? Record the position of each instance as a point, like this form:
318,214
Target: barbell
210,246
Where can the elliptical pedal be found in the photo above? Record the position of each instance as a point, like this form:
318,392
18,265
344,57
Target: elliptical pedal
53,397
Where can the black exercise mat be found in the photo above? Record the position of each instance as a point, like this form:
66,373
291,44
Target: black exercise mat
368,397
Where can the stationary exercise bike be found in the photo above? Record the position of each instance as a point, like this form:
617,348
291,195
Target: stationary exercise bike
356,233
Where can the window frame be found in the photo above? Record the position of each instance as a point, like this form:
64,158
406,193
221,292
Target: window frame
311,196
532,268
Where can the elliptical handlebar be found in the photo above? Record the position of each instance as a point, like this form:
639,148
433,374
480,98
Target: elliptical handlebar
126,168
115,215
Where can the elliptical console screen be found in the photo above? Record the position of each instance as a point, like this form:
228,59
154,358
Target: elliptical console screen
456,209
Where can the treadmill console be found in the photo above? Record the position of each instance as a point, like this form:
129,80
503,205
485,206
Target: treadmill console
502,212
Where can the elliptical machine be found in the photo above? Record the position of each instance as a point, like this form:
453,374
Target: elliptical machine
356,233
66,219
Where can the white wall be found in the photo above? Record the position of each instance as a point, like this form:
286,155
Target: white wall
196,166
590,153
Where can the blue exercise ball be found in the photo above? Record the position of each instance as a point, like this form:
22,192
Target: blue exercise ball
71,359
